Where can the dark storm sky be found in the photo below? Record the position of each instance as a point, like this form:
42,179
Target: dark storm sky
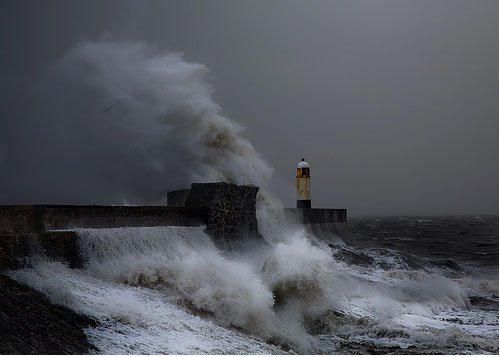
394,103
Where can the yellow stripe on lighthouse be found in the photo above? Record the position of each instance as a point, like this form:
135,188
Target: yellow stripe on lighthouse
303,185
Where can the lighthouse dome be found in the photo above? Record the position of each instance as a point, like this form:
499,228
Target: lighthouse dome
303,163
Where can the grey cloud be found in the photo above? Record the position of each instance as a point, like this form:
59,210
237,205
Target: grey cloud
394,103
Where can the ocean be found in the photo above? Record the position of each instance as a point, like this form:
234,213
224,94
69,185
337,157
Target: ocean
406,285
431,263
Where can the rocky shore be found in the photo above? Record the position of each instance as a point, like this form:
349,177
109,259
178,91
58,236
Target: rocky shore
30,324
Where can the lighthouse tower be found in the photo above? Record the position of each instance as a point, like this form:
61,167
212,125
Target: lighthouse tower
303,185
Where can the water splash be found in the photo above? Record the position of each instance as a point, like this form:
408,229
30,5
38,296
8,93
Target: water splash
134,123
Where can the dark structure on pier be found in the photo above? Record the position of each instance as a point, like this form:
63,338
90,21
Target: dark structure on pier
228,212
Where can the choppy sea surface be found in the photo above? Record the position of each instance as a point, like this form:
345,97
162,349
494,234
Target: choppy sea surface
431,262
406,285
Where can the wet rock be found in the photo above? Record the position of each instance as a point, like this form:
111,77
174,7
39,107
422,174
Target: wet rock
30,324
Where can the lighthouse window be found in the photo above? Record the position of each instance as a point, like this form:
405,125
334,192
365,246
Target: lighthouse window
305,171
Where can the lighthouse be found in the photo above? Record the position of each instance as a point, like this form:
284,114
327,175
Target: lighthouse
303,185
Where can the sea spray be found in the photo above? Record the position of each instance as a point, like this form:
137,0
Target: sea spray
297,270
151,91
135,320
126,122
300,291
184,263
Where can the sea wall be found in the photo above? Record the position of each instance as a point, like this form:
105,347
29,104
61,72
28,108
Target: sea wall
26,230
31,324
231,212
64,217
19,220
227,210
327,224
316,215
16,220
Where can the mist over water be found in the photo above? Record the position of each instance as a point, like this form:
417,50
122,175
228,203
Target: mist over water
126,123
123,122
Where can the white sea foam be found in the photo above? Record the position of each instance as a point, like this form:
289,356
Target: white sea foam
184,263
134,320
147,285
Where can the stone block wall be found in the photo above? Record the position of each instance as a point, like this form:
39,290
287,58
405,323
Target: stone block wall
19,219
178,198
227,210
230,209
28,230
64,217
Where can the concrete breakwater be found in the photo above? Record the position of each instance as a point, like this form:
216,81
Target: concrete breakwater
327,224
227,210
32,324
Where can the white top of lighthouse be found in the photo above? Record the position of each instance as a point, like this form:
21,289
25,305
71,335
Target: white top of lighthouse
302,163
